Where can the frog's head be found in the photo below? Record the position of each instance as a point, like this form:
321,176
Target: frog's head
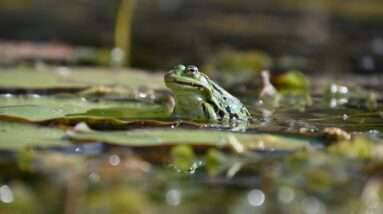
182,78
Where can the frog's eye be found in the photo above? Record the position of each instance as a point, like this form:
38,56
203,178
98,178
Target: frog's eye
192,69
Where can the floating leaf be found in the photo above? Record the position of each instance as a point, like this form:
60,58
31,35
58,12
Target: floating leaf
292,80
210,138
37,109
62,77
132,111
17,135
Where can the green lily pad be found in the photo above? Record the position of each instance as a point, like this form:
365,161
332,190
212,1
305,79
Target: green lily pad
211,138
133,111
36,109
62,77
17,135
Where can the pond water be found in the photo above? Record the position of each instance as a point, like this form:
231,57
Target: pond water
303,154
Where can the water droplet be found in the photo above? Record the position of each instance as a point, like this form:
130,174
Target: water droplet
173,197
194,167
286,195
333,88
77,149
142,95
6,194
114,160
343,89
256,197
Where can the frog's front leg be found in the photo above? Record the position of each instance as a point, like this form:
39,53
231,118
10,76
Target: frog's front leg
209,112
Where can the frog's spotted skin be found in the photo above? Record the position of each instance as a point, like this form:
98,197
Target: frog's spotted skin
200,99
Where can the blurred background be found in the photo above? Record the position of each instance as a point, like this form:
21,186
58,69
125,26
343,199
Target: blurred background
312,36
60,79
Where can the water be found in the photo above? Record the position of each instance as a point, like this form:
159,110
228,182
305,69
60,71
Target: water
112,178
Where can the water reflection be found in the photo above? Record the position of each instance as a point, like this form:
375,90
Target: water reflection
6,194
286,195
312,205
117,57
173,197
256,197
7,95
78,149
114,160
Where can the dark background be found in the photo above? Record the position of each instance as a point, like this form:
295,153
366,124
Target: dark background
334,35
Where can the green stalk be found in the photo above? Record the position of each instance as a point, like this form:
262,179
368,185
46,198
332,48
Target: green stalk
122,34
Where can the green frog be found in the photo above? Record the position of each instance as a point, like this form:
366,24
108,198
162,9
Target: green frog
198,98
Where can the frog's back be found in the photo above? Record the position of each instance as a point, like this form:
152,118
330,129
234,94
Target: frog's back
232,108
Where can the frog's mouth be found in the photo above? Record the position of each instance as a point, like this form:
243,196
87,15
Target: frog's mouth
188,85
173,82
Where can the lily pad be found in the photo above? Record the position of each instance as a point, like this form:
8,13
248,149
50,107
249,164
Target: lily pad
17,135
210,138
132,111
37,109
62,77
